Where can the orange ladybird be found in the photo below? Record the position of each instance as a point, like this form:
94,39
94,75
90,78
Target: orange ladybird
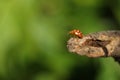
77,33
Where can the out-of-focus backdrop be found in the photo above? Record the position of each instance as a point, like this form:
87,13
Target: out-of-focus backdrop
33,36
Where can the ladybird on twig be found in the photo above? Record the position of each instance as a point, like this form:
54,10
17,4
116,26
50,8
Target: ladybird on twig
76,33
98,44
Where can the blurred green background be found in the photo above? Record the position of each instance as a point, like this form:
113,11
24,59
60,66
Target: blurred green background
34,34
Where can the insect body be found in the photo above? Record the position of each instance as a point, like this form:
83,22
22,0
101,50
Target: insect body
77,33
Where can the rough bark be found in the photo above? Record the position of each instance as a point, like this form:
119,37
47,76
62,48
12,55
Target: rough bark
99,44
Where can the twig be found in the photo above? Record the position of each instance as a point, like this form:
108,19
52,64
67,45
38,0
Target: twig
99,44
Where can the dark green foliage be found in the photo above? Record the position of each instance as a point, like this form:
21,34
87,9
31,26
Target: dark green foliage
33,35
